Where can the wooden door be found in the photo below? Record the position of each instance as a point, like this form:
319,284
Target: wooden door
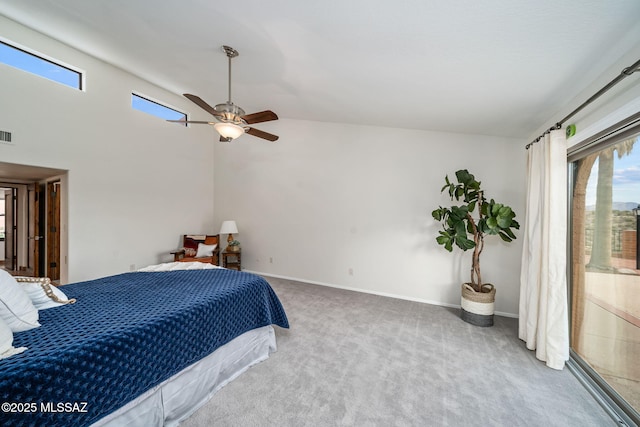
10,229
53,230
36,231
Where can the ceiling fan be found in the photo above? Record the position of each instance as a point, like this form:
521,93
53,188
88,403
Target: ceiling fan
232,120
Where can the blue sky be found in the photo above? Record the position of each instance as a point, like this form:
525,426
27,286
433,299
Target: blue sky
49,70
156,109
626,178
27,62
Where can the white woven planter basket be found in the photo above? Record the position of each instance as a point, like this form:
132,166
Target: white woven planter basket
478,307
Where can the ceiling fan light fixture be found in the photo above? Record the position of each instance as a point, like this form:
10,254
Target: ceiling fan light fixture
229,130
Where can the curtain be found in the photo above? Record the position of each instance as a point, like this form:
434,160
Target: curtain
543,320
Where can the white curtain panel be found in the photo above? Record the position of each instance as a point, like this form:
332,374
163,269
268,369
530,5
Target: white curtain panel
543,322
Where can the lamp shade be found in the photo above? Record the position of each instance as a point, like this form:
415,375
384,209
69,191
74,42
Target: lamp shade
228,227
229,130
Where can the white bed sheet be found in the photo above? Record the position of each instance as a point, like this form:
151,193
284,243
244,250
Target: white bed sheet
177,398
173,266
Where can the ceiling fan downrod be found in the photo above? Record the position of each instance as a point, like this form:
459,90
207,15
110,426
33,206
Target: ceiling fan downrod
231,53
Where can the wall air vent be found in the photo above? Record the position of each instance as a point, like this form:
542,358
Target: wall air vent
5,137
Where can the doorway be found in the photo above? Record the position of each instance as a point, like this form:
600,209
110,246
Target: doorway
32,235
23,228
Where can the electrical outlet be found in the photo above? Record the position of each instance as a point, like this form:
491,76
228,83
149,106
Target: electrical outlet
132,267
350,271
270,260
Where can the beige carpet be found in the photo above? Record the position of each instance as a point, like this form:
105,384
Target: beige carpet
353,359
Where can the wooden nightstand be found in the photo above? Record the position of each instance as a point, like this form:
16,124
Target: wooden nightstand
232,260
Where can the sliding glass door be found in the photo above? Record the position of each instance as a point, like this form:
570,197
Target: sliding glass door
605,264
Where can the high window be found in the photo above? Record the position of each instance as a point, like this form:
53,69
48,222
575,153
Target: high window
39,65
156,109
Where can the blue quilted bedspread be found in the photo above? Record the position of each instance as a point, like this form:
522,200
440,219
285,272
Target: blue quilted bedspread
126,334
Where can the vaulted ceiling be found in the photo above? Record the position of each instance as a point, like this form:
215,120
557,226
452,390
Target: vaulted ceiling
494,67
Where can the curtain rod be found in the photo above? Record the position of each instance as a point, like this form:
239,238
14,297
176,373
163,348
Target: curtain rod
623,74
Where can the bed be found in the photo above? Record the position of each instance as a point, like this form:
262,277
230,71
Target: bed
142,348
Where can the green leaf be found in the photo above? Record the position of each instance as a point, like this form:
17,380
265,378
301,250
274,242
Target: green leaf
464,243
505,211
461,229
495,208
459,212
491,223
445,239
437,214
464,177
459,192
472,206
504,222
509,233
452,191
442,239
505,237
485,209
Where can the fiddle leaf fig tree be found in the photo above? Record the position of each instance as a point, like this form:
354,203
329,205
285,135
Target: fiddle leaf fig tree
462,229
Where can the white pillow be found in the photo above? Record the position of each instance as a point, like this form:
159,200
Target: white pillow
6,342
37,287
16,308
205,250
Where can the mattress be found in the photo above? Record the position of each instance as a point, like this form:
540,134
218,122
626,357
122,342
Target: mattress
125,335
181,395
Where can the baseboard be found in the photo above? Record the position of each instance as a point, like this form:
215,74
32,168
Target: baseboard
365,291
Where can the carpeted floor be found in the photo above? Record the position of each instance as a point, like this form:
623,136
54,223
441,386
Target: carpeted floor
354,359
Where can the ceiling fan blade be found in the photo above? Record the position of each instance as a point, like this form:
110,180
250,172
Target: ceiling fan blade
199,122
262,116
262,134
200,103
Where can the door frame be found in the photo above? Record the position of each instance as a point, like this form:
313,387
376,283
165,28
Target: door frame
32,218
11,228
52,234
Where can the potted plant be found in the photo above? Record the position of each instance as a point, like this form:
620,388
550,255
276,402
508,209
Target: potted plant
234,246
461,228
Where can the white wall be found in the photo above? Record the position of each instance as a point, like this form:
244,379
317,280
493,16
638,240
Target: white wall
135,182
327,198
618,103
324,199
